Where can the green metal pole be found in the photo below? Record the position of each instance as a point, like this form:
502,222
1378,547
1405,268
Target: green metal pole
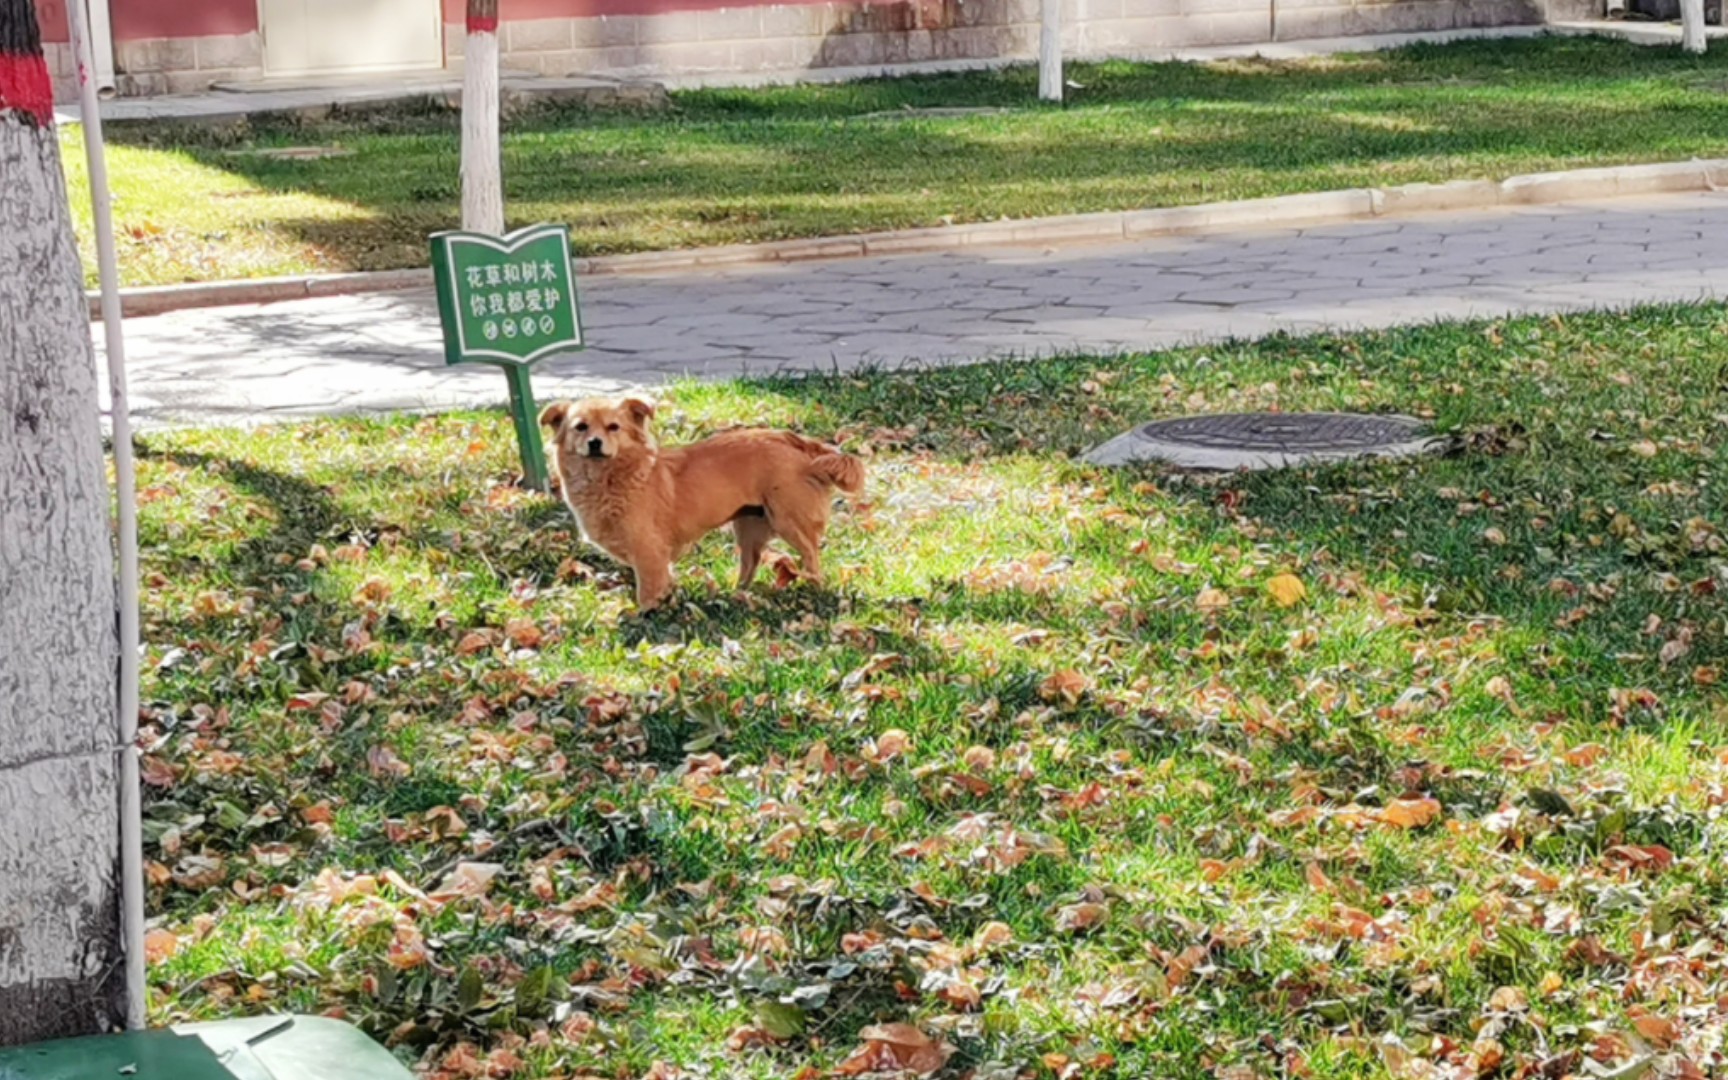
522,411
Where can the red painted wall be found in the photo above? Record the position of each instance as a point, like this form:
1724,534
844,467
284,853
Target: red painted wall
140,20
52,15
137,20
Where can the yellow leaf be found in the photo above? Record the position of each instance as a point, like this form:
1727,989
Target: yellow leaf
1287,590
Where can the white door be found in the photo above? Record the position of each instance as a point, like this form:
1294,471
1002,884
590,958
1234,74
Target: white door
340,37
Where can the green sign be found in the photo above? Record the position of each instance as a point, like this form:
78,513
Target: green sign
509,301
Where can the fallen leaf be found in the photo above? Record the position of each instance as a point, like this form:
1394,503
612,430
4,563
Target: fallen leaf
1287,590
1079,918
160,944
467,881
200,872
383,762
895,1048
523,633
1212,600
1066,685
1411,813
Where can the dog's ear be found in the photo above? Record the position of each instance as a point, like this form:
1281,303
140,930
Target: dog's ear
640,409
553,415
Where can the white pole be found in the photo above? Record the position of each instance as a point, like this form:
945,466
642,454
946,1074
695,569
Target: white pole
102,45
1692,37
126,514
1050,52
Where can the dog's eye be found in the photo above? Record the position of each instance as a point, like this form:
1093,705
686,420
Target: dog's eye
583,426
611,427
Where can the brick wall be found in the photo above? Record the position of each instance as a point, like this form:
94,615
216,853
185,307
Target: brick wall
784,39
847,34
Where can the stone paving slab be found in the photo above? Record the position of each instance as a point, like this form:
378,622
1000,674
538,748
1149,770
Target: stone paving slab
382,352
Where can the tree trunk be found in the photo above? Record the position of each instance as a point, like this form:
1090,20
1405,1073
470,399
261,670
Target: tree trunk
59,791
1692,25
482,174
1050,51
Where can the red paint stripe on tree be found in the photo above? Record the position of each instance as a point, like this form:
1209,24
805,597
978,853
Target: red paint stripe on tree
24,85
483,24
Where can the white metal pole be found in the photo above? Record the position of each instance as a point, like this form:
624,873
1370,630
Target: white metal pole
126,523
102,46
1050,52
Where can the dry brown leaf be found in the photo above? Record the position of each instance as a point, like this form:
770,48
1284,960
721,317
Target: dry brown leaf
895,1048
1655,1029
1317,879
1079,918
468,880
524,633
1411,813
1066,686
992,935
199,872
473,642
1211,601
160,944
383,762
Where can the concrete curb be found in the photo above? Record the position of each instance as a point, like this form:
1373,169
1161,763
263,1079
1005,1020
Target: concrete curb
1284,210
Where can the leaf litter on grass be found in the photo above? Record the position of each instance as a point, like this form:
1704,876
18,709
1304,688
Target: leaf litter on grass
1009,801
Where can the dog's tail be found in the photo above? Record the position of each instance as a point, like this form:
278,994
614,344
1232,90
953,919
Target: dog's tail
841,470
829,465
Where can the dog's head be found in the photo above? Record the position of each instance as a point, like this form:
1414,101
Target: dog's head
599,428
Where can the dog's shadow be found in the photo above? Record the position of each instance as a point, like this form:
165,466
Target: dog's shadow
695,613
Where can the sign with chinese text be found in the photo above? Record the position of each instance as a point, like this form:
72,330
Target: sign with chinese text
506,299
509,301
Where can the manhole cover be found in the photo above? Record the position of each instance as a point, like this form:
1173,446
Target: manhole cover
1231,441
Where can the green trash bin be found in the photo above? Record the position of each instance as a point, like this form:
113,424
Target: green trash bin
263,1048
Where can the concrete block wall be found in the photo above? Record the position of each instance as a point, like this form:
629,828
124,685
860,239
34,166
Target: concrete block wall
784,39
153,66
849,34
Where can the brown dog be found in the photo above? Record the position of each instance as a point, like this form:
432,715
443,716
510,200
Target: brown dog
646,506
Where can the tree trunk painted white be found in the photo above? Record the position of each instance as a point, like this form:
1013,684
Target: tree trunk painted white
60,962
1050,51
1692,38
482,170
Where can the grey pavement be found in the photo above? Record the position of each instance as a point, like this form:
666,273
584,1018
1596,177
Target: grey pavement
382,352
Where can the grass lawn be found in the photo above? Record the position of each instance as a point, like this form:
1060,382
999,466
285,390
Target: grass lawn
1384,769
737,165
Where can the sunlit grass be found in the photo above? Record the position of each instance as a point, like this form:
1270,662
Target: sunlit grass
1049,772
754,165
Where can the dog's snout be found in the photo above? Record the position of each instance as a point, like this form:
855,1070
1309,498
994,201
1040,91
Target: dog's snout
595,446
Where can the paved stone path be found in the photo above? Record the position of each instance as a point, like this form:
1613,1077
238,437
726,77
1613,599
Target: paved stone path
383,352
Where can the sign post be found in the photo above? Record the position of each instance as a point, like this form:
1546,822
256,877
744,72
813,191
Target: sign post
508,301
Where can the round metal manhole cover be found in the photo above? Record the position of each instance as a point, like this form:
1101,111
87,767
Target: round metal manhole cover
1232,441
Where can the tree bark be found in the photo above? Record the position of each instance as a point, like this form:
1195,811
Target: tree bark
59,789
1692,37
482,171
1050,51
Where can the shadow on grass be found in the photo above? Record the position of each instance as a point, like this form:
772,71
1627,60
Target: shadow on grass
758,165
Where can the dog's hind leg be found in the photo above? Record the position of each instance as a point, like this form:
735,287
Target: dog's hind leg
753,534
805,536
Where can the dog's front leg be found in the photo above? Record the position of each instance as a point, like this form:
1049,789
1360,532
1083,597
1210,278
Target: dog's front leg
653,582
